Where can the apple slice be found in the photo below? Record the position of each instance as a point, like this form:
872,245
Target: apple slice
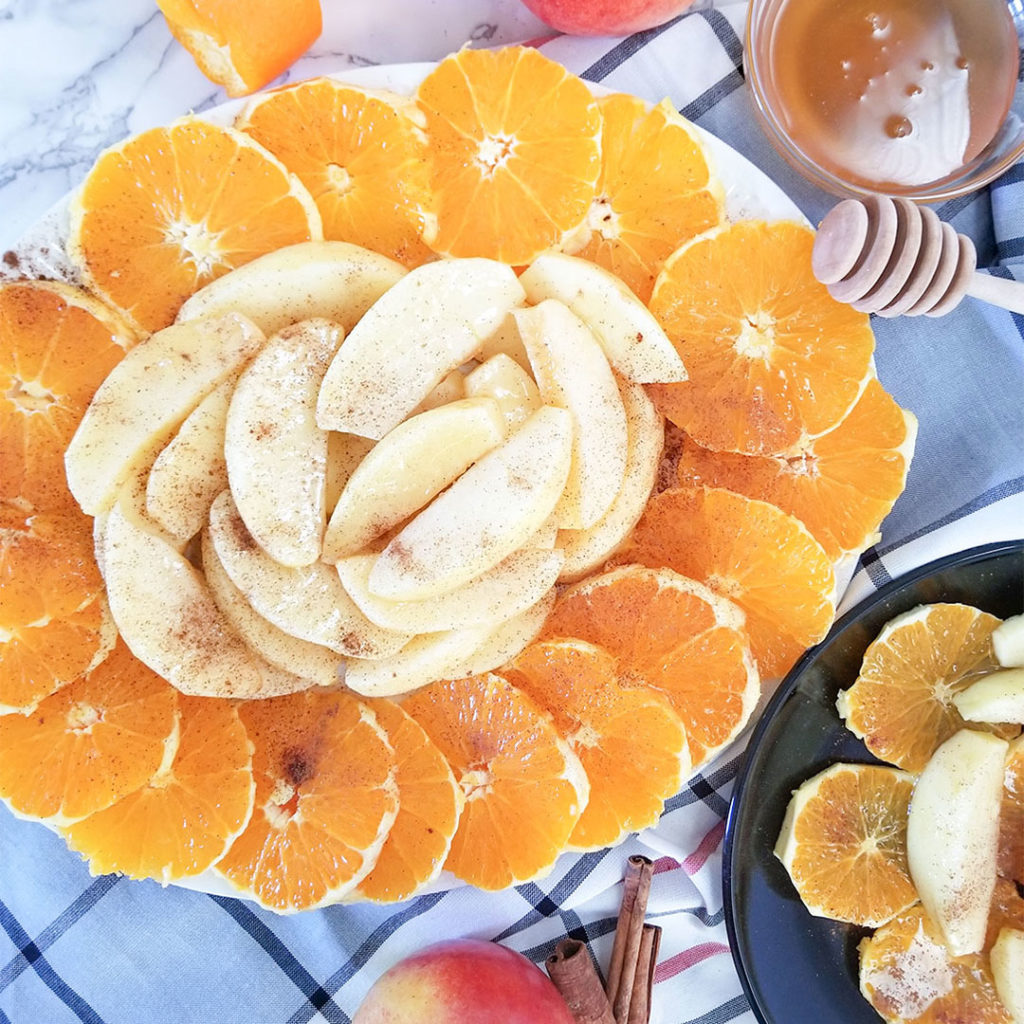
145,398
1008,642
452,654
344,453
408,467
504,380
430,323
190,472
573,372
276,454
997,697
587,550
511,587
491,510
632,339
334,280
953,835
318,664
307,602
1007,960
167,616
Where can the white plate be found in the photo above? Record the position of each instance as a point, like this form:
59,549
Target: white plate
41,252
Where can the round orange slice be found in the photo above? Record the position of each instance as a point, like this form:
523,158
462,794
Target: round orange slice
325,799
185,817
89,744
515,153
750,552
630,741
672,634
655,191
772,358
361,154
525,788
166,212
844,843
430,803
901,704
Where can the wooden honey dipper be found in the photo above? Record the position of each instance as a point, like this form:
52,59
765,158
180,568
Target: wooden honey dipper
895,258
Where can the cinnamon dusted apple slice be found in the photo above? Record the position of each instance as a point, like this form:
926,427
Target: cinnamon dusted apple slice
276,454
489,512
632,339
334,280
407,468
430,323
573,373
145,398
504,380
308,602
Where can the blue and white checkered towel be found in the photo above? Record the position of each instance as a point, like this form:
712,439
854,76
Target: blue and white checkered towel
77,948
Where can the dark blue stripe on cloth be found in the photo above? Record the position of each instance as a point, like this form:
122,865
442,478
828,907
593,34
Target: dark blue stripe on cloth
618,55
949,209
731,43
696,109
1010,248
319,998
33,955
1014,176
875,568
4,1019
734,1008
705,787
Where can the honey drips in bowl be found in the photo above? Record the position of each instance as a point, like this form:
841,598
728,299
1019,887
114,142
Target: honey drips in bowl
902,96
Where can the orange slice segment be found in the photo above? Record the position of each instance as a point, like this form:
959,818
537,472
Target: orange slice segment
525,789
844,843
655,191
1011,815
772,358
840,485
325,799
674,635
430,803
908,976
187,815
749,552
630,741
166,212
89,744
361,154
514,153
36,661
901,704
57,344
243,46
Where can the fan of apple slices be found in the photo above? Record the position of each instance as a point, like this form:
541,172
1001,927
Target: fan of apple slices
330,468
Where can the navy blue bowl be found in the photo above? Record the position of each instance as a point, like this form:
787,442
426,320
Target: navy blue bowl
795,967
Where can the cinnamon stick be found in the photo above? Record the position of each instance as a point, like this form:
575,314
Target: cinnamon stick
628,931
576,979
646,961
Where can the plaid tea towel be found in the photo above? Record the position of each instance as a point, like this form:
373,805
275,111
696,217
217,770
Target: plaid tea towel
77,948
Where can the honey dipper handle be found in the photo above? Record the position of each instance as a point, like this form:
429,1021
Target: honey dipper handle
998,291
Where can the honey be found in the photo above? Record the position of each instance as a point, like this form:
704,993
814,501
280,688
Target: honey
890,92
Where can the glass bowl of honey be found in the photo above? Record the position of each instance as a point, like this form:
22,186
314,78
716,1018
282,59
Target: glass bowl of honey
911,98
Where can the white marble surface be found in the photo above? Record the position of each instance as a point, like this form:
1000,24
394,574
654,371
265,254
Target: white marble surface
79,75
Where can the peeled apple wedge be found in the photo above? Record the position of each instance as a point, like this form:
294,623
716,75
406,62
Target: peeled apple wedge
307,602
1008,642
1007,960
953,834
318,664
489,512
167,616
430,323
504,380
334,280
190,472
144,399
407,468
629,334
511,587
998,697
276,454
572,372
587,550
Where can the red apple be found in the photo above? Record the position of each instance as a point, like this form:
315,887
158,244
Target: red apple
464,981
605,17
